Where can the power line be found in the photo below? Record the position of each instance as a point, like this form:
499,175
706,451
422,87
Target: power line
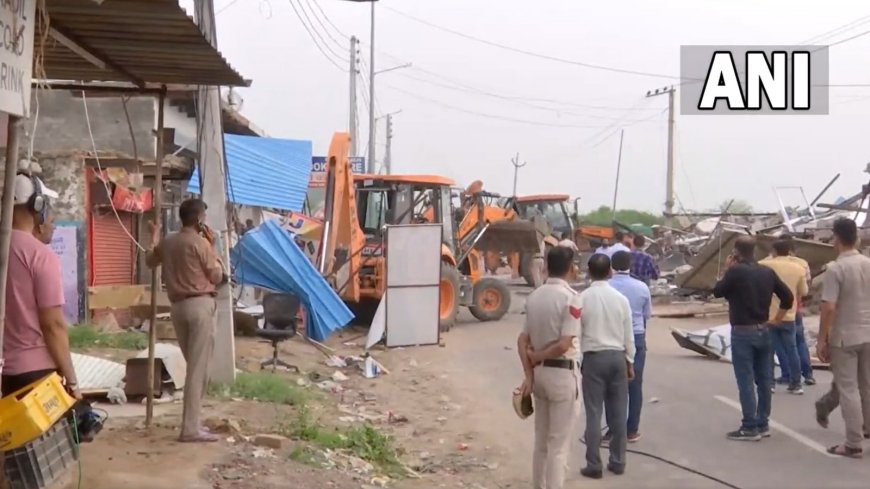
340,33
313,39
843,41
838,30
317,32
322,25
530,53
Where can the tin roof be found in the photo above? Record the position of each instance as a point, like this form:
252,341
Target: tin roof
138,41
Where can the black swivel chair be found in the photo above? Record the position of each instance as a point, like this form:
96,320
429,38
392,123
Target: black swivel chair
280,312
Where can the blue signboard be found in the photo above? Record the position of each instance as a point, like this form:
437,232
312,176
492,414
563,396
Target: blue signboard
357,164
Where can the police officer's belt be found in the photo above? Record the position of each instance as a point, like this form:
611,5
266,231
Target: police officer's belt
560,363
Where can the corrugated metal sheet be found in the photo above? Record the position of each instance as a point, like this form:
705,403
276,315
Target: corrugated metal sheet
268,257
113,249
96,374
138,40
265,172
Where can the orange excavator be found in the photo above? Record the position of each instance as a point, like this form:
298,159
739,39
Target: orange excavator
359,207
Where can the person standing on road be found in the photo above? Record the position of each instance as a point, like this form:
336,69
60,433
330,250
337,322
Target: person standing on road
192,271
749,289
607,339
800,334
538,265
844,336
640,301
783,334
619,240
548,347
36,342
643,266
605,244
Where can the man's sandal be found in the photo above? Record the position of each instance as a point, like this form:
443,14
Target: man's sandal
844,451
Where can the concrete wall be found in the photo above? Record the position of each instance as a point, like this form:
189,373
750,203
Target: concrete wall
61,125
65,174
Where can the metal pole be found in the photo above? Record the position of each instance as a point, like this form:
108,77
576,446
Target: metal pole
388,154
669,203
12,131
618,167
155,272
370,164
351,125
516,163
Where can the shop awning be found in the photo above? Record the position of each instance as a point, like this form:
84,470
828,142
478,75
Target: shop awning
137,41
265,172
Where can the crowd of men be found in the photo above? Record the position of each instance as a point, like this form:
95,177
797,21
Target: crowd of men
593,344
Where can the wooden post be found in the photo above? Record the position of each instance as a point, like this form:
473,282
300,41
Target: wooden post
155,272
6,216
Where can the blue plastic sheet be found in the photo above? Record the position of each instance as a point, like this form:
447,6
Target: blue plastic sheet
268,257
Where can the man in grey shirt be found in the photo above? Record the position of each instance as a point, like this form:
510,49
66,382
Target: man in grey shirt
844,336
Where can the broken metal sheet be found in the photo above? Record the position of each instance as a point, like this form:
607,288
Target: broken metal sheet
709,263
173,362
97,375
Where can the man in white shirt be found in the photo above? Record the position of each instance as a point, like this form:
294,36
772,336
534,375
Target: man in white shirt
607,340
619,240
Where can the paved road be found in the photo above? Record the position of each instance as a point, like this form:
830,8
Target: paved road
696,407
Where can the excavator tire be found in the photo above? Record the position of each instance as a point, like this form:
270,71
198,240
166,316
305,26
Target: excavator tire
491,299
449,306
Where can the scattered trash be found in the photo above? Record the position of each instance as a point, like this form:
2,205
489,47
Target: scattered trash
336,361
264,453
396,418
654,400
329,385
462,447
116,395
338,376
370,367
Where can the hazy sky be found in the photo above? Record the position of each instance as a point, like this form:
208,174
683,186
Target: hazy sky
297,93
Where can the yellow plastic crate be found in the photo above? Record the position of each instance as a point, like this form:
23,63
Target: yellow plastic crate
31,411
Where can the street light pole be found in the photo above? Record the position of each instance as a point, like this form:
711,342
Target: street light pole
371,156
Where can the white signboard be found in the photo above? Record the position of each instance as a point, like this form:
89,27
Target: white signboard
17,30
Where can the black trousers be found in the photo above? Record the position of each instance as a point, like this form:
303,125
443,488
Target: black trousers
12,383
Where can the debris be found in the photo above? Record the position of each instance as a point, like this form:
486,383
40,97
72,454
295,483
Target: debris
380,481
263,453
336,361
462,447
329,385
654,400
116,395
396,418
441,419
302,382
270,441
413,363
223,425
370,368
338,376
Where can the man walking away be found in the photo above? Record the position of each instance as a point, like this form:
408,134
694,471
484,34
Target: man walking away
607,338
548,347
639,300
748,288
844,336
36,334
783,333
643,266
191,272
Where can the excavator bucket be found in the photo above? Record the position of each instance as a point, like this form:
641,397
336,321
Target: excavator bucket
518,235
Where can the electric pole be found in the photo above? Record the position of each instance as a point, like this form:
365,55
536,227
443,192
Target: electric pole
371,156
212,167
618,168
352,122
670,197
388,153
517,165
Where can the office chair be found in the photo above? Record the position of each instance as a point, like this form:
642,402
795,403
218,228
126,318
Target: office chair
280,312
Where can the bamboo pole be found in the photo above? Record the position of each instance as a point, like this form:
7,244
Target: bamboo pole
155,272
6,216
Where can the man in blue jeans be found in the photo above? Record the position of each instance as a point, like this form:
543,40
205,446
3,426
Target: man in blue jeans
749,288
640,301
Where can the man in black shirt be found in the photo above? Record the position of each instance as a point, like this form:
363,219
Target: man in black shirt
748,288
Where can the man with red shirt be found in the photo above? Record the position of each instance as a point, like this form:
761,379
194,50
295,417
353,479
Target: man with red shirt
36,337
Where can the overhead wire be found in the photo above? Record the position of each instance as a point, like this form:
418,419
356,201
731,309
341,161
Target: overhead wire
329,21
314,29
530,53
314,38
320,22
837,30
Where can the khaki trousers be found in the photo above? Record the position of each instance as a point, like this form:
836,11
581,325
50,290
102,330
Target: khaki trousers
538,271
557,406
194,322
851,367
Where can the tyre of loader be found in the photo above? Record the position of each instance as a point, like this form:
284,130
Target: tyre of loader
449,289
491,299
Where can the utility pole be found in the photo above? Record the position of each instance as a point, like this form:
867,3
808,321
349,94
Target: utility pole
212,168
618,168
371,156
352,122
388,153
517,165
670,197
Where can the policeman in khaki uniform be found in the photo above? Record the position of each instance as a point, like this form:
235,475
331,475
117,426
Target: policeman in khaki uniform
548,347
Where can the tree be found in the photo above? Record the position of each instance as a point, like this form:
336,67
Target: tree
737,207
603,216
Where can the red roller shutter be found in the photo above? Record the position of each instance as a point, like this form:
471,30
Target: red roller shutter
112,249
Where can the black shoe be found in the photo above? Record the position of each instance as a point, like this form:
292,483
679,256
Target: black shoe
591,473
616,469
764,432
810,381
821,416
744,435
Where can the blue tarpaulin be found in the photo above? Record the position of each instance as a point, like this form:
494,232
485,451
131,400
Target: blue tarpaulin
268,257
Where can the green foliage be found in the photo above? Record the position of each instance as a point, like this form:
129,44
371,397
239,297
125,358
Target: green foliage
85,336
603,216
264,387
737,207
